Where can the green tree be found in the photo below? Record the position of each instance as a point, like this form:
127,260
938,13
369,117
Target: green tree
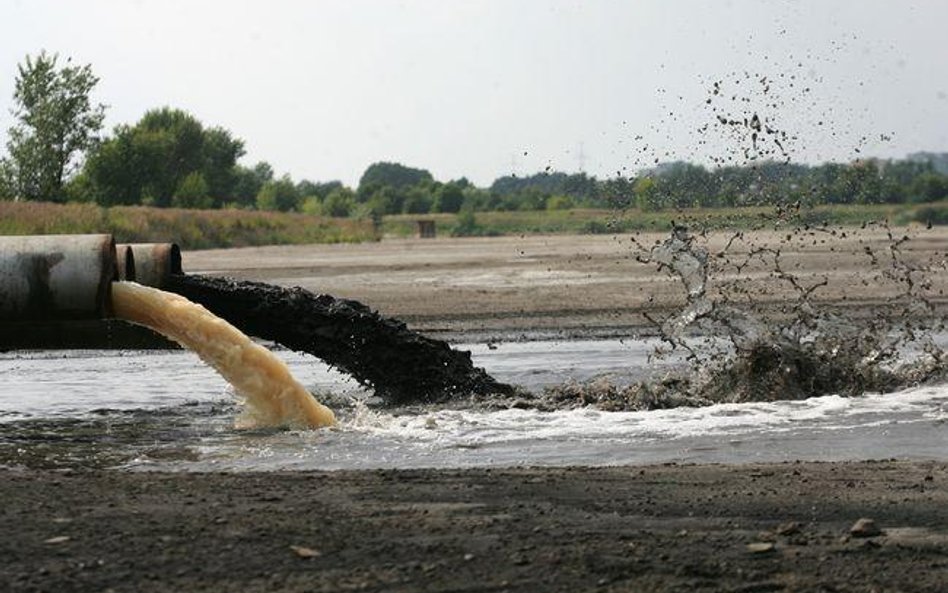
192,192
450,197
56,123
644,190
393,175
278,195
418,200
147,163
311,204
339,203
559,203
248,181
220,151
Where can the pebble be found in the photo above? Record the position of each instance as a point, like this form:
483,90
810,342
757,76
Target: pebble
760,547
304,552
788,528
865,528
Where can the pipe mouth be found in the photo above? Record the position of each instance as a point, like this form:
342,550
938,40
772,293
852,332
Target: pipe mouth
174,257
125,258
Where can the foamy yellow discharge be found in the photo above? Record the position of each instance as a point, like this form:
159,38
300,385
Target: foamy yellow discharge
273,396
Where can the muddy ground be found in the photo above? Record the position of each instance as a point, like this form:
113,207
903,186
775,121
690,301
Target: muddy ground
783,527
575,286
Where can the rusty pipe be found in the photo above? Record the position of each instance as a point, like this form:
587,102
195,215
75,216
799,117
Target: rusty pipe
154,263
56,277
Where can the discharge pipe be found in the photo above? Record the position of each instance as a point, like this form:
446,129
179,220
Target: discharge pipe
154,263
58,277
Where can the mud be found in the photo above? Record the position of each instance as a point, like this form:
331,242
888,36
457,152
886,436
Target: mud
401,365
776,527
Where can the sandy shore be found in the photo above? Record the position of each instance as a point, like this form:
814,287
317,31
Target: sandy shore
758,528
784,527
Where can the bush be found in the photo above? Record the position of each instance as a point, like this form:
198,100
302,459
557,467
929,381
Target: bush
192,192
559,203
467,224
937,215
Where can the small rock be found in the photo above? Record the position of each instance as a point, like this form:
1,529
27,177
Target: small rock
760,547
304,552
59,539
788,528
865,528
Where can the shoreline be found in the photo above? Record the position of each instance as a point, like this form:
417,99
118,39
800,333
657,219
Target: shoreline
756,527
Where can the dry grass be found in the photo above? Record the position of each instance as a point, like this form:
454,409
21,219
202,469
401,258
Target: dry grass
192,229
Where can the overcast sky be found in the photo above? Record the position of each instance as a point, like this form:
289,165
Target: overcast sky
322,89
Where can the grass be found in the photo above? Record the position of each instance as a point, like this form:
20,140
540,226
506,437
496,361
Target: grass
191,229
196,229
590,221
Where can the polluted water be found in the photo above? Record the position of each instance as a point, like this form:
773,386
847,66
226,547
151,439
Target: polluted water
708,382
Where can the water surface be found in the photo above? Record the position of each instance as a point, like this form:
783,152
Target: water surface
167,410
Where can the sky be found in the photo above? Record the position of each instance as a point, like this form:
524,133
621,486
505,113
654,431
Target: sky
322,89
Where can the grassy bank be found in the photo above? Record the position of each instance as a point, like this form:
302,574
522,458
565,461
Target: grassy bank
592,221
197,229
192,229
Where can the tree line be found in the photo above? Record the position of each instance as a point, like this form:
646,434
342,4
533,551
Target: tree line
171,159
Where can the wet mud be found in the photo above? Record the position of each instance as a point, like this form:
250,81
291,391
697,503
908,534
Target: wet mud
401,365
775,527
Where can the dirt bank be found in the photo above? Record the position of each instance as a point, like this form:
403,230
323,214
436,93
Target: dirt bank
783,527
580,285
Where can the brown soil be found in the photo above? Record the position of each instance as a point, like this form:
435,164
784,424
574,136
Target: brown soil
783,527
575,286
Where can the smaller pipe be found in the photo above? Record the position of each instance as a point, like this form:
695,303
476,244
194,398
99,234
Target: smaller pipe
154,263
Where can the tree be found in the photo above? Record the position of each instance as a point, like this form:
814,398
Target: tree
393,175
147,163
56,123
929,187
417,201
248,182
192,192
450,197
220,152
278,195
339,203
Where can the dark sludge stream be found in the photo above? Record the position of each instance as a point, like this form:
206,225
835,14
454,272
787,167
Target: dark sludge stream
402,366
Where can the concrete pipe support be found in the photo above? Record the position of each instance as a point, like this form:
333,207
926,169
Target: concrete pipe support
154,262
56,277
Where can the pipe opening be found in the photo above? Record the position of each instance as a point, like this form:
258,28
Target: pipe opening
125,258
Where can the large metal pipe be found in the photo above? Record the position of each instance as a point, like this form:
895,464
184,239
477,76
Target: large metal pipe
154,263
56,277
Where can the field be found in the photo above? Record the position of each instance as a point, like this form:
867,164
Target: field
590,221
205,229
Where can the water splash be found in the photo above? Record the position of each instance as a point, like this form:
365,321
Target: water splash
736,351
